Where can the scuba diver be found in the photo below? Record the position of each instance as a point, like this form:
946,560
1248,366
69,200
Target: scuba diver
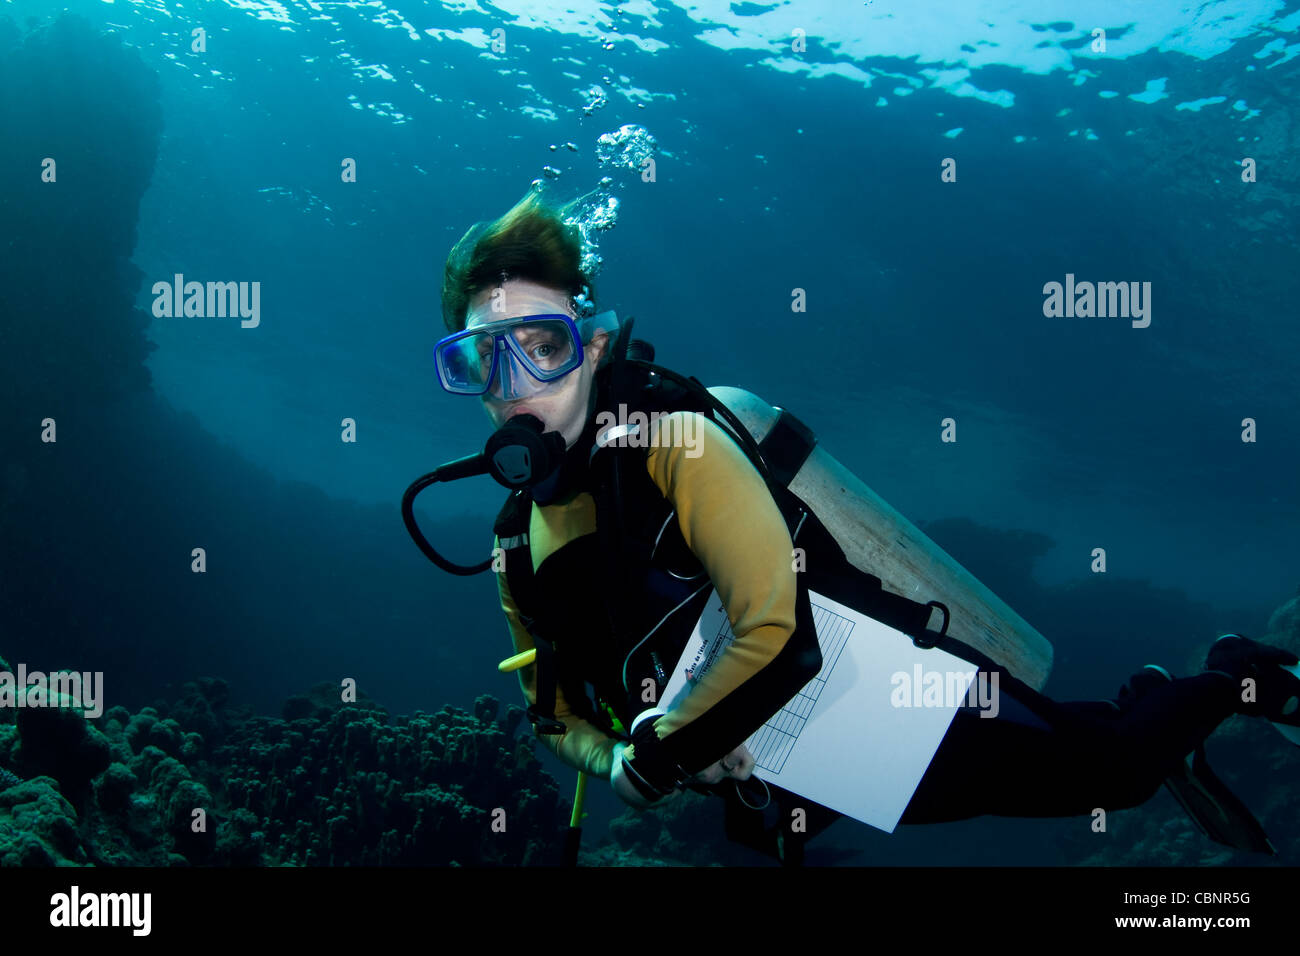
616,529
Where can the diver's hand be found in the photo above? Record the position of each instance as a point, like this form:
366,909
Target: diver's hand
620,778
738,764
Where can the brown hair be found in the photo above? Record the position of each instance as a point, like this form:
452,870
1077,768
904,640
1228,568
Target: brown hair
531,241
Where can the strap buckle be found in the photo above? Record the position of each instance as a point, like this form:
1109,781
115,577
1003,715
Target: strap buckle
544,725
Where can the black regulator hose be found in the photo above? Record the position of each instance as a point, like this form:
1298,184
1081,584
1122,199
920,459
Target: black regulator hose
421,542
519,454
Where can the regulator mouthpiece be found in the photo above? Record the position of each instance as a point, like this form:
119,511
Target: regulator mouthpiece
520,455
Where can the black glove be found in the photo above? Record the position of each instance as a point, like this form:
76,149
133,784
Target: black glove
652,773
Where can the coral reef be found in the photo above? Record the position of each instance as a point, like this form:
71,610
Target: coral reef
58,741
38,827
353,786
687,831
196,782
690,831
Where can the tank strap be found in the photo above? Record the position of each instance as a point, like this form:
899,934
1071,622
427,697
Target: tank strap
786,447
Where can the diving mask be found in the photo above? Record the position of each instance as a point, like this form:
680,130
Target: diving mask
519,357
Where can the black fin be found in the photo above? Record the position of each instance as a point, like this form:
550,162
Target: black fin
1215,809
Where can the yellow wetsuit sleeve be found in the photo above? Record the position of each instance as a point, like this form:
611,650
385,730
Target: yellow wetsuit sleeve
731,523
583,746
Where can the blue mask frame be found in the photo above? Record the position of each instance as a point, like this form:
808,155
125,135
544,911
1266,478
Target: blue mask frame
519,376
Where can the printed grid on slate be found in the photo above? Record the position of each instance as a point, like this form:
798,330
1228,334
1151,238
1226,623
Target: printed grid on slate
771,743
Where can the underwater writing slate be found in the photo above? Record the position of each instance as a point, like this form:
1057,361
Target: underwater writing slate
859,736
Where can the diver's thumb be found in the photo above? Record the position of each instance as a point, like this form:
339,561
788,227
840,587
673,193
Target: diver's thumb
620,778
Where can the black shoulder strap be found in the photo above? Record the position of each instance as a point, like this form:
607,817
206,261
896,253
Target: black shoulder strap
628,508
511,529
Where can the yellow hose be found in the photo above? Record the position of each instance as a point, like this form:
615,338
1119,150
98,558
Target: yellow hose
519,660
578,797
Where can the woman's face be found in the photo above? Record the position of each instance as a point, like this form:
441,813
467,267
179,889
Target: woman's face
563,406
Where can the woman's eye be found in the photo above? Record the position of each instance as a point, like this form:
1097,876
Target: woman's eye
542,351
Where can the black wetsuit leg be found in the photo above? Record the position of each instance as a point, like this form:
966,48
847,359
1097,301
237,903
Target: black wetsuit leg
1037,758
1043,758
